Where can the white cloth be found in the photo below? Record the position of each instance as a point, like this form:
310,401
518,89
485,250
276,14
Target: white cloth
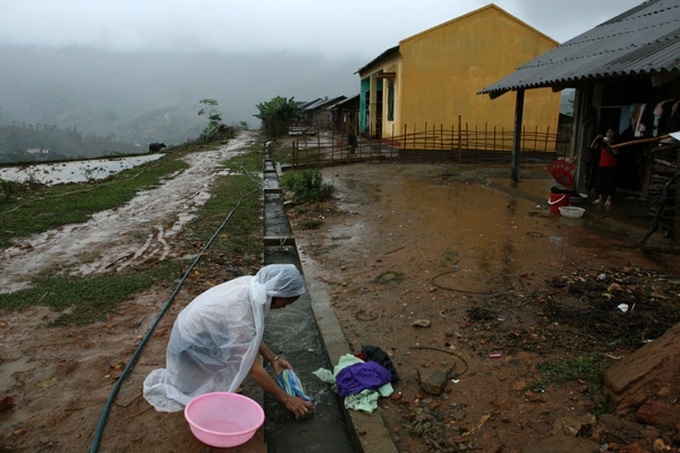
215,339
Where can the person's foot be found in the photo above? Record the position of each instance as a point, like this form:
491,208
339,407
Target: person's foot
598,201
607,203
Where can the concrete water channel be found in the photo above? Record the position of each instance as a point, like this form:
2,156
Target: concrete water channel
308,335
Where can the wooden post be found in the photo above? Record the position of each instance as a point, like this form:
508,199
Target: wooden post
536,138
468,137
453,131
585,126
333,145
460,138
519,111
318,146
392,141
425,144
296,156
370,140
415,132
441,136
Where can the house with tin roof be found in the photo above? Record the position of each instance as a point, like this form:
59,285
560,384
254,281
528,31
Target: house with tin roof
626,76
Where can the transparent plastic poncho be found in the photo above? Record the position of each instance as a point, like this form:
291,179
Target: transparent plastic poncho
215,339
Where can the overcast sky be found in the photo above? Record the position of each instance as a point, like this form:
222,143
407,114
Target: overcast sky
359,28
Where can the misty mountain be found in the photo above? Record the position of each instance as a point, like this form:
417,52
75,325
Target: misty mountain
42,143
154,96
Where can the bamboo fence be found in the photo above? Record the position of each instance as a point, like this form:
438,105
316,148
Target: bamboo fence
326,147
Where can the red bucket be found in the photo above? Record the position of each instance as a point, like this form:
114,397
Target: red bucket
557,200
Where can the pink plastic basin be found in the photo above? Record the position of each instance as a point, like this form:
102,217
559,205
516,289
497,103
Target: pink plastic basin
223,419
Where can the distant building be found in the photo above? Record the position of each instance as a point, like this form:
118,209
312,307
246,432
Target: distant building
345,114
37,151
319,113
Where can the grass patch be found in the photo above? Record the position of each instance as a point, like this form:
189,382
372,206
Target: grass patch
283,156
308,189
590,369
243,232
85,299
388,277
310,224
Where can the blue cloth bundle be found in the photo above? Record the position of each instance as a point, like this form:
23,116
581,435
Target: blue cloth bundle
290,384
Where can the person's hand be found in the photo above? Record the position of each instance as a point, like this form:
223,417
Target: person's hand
281,364
298,406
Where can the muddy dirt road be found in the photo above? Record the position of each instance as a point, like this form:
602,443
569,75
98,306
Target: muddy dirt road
400,248
453,277
55,381
140,231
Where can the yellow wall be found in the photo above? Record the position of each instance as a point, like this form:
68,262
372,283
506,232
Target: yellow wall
388,65
442,69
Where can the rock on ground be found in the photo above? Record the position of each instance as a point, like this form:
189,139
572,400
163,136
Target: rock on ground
644,382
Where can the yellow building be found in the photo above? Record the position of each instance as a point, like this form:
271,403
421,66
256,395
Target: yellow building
431,79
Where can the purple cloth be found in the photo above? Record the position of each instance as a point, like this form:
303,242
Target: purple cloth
361,376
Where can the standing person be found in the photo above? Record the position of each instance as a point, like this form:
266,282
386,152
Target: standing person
353,142
216,342
352,136
605,183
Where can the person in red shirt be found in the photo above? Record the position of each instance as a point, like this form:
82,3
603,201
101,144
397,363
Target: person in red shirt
606,168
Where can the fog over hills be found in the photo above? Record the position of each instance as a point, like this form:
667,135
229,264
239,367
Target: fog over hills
154,96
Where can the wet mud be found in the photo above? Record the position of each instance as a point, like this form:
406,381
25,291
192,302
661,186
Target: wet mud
448,274
427,262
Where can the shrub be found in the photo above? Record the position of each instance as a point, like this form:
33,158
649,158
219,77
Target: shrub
308,185
6,189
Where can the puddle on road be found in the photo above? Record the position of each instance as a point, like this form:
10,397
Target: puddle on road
73,172
477,234
9,368
474,227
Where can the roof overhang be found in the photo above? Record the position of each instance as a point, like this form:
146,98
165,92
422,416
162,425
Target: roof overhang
642,42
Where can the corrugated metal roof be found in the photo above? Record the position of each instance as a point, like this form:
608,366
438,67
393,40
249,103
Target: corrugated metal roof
319,103
342,101
389,52
640,41
303,105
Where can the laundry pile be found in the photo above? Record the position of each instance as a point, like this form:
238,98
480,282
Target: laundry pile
361,378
